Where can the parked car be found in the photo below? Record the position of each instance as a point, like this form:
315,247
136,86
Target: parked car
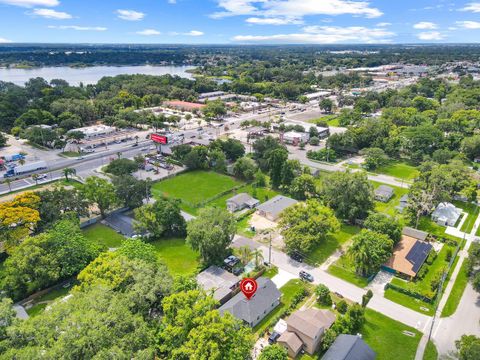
305,276
297,257
231,261
238,270
272,339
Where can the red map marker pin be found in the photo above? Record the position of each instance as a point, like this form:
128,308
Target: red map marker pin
248,287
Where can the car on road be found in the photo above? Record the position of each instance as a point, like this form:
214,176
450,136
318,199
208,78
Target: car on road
134,145
297,257
305,276
42,176
80,158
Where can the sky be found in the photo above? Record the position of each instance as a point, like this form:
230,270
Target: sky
240,21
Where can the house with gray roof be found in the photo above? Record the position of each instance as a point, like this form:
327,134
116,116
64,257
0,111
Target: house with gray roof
446,214
403,203
414,233
272,208
219,282
349,347
266,298
242,201
383,193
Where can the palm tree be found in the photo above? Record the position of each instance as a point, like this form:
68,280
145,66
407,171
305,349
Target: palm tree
258,256
35,178
9,182
21,161
245,254
69,171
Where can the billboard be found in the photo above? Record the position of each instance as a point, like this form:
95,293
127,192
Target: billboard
159,139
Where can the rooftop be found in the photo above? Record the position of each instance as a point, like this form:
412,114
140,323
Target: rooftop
409,255
277,204
349,347
310,321
384,190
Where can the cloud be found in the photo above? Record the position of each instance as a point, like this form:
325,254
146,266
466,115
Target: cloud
273,21
149,32
4,41
468,24
190,33
51,14
295,8
172,1
323,35
130,15
473,7
384,24
31,3
431,36
425,25
78,28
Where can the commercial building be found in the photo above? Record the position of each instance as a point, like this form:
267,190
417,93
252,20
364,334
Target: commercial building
95,131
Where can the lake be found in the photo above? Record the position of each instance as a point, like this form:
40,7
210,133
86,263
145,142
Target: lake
88,75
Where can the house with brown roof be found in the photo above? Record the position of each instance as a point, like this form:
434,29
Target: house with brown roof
305,330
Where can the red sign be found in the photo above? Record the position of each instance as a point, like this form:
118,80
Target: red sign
161,139
248,287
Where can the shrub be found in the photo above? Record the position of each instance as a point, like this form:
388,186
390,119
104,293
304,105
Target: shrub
366,298
431,257
323,295
448,255
314,141
342,306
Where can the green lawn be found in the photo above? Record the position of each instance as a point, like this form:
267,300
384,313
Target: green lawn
389,207
431,352
243,227
288,292
385,336
426,224
331,120
409,302
262,194
457,292
271,272
43,301
179,258
343,269
194,187
332,243
473,212
103,235
70,154
400,170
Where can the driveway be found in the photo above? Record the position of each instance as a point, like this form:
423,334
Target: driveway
377,285
282,278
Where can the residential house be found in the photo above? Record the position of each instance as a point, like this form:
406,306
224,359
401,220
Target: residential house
383,193
305,330
219,282
408,255
251,312
446,214
241,201
349,347
272,208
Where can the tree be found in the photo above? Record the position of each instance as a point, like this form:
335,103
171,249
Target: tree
214,109
314,141
303,187
342,306
471,147
197,158
68,172
374,158
211,233
323,295
384,224
100,192
276,164
262,149
290,170
274,352
305,225
192,329
245,168
161,219
45,259
8,315
218,161
369,250
131,191
3,140
120,167
326,105
105,327
349,194
468,347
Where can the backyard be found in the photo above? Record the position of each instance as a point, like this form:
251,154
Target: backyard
389,207
103,235
398,169
179,258
393,343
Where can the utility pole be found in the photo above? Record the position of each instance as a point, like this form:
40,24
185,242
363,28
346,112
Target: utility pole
270,250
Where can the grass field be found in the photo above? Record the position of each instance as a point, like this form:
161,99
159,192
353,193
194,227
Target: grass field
430,352
195,186
426,224
457,292
179,258
343,269
262,194
243,227
400,170
288,292
332,243
385,336
103,235
43,301
472,210
409,302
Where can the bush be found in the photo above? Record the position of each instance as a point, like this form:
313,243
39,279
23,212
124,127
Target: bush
448,255
314,141
366,298
431,257
323,295
423,271
119,167
322,155
342,306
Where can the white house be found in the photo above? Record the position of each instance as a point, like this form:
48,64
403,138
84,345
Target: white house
446,214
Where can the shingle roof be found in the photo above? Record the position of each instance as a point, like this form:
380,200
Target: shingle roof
414,233
384,190
292,340
311,321
349,347
248,310
218,280
242,198
408,255
277,204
